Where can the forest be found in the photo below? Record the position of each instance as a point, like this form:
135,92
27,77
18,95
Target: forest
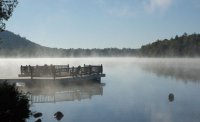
183,46
13,45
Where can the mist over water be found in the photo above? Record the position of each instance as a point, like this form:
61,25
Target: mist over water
134,89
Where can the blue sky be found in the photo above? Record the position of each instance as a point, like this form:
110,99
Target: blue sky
103,23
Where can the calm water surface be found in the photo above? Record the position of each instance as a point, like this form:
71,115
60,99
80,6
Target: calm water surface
134,90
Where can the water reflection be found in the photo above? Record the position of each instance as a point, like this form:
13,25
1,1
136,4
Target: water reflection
130,95
184,71
56,91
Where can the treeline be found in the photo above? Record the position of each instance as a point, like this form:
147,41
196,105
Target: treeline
183,46
106,52
54,52
13,45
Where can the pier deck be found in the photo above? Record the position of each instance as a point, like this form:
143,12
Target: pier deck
69,78
59,72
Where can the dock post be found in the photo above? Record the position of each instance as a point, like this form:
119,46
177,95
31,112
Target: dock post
54,72
101,68
31,70
73,71
84,70
21,69
81,71
90,69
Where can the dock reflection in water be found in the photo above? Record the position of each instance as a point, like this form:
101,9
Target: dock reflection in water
51,92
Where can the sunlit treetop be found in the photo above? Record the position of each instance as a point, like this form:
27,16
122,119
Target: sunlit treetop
6,9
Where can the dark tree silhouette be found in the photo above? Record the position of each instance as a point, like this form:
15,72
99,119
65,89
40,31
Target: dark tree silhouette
181,46
14,105
6,9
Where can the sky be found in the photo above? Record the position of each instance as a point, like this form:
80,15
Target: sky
103,23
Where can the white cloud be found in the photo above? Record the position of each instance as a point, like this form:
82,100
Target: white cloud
157,5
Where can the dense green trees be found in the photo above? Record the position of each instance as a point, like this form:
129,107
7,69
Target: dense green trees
183,46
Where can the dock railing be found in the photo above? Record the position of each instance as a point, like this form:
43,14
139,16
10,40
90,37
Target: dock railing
59,70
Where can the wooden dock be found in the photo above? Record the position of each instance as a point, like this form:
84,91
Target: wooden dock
94,77
59,72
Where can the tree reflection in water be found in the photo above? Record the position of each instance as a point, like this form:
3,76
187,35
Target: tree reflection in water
181,70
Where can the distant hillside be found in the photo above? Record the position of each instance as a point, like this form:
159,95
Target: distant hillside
183,46
12,41
13,45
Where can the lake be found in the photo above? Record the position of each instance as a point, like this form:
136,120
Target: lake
134,90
